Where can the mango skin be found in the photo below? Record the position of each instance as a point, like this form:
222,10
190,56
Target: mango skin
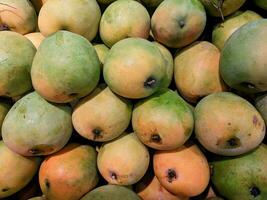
224,30
36,38
102,51
34,126
242,174
122,19
19,16
111,192
173,130
241,68
196,71
102,111
182,171
178,23
70,173
228,7
16,56
4,108
137,63
16,170
64,79
81,17
261,3
169,63
116,160
261,105
151,189
227,124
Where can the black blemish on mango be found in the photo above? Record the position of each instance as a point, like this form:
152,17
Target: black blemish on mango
97,133
113,175
4,27
171,174
155,138
233,142
150,82
40,149
181,23
47,184
5,189
255,191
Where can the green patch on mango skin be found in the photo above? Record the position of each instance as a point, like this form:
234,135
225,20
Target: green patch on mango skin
16,56
66,67
111,192
167,99
4,108
241,68
163,121
34,123
246,175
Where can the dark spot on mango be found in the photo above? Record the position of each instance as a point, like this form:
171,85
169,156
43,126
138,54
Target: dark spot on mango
35,151
40,149
150,82
171,174
229,123
47,184
255,191
4,27
248,85
113,175
97,133
155,138
73,94
181,23
233,142
5,189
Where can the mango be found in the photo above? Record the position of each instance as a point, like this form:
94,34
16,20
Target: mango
16,56
221,8
70,173
16,170
117,160
177,23
111,192
261,3
246,175
122,19
102,116
182,171
196,71
151,189
63,79
18,16
138,64
34,126
81,17
163,121
225,29
240,67
227,124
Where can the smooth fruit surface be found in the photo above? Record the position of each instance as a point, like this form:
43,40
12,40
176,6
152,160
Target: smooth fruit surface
64,79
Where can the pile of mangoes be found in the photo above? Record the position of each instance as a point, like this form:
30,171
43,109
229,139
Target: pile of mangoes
133,100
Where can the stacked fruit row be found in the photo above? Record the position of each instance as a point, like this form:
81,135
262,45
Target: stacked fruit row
152,100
